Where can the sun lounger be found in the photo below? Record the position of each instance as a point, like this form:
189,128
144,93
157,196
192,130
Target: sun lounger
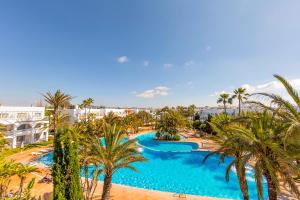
36,153
180,196
45,151
32,163
46,179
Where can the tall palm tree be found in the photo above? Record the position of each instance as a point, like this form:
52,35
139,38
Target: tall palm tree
87,103
57,101
229,146
116,153
87,137
241,95
263,139
224,99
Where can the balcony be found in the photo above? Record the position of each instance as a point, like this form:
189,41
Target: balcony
25,132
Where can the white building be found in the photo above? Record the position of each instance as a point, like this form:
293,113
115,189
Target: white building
24,125
77,114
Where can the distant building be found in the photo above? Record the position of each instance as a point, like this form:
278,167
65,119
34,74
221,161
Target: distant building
203,112
24,125
77,114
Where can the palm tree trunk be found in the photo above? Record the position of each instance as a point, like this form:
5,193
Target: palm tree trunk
225,110
21,186
239,106
85,114
272,191
241,174
54,122
106,187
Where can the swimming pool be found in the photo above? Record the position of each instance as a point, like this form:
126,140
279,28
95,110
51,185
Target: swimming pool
179,172
147,141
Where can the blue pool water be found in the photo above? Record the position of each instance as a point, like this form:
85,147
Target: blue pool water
146,140
173,167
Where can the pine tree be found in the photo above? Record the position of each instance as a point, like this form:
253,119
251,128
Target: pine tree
73,190
58,169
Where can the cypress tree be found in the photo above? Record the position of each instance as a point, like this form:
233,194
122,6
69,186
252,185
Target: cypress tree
73,189
58,169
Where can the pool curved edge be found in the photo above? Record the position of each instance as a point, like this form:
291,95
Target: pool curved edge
166,141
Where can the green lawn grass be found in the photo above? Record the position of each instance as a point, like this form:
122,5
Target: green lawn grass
11,151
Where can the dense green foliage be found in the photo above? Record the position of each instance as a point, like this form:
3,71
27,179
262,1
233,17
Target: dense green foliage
58,169
73,190
169,123
204,126
10,168
66,167
265,139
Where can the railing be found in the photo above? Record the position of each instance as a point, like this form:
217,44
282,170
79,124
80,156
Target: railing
25,131
20,119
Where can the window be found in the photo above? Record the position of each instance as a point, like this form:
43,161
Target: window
21,115
3,115
37,114
24,126
36,137
21,138
39,125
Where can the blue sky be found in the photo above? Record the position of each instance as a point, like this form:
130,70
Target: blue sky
146,53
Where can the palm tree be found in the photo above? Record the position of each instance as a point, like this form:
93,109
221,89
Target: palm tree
116,153
224,99
191,111
87,103
57,101
241,95
287,110
22,171
87,137
7,170
229,146
112,118
263,139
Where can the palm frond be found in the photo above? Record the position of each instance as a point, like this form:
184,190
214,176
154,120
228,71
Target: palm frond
289,88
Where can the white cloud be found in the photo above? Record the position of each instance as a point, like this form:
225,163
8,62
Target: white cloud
158,91
168,65
122,59
269,87
146,63
189,63
218,93
208,48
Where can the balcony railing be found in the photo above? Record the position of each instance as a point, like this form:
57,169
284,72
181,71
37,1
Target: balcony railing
28,118
25,131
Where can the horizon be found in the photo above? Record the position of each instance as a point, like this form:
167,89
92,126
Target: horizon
146,54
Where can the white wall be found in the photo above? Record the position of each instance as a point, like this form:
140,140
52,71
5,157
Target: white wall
21,113
14,117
